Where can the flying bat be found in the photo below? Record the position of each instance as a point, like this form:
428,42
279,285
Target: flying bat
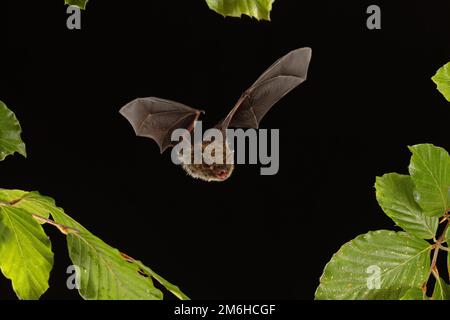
157,118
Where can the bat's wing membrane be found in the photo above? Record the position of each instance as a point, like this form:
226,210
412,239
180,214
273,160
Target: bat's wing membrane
283,76
157,118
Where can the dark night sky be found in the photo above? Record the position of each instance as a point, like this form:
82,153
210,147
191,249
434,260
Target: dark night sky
368,96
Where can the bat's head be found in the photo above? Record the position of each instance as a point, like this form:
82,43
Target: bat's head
213,172
216,165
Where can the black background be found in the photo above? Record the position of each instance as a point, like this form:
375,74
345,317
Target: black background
368,96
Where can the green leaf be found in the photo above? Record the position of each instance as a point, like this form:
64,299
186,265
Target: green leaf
79,3
10,141
395,195
441,290
442,80
26,257
447,240
105,273
377,265
430,172
31,202
259,9
414,294
447,235
170,287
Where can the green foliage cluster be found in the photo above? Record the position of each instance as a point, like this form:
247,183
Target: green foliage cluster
417,203
398,265
26,257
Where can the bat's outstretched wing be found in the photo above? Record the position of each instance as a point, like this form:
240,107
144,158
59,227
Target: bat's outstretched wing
283,76
157,118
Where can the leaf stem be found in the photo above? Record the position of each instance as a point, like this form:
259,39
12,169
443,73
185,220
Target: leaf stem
437,246
64,229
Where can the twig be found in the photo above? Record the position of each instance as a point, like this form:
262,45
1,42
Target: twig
437,246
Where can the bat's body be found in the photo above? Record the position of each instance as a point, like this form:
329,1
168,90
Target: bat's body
214,171
158,118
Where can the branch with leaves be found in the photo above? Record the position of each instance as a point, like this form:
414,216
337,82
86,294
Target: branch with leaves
405,261
26,256
417,203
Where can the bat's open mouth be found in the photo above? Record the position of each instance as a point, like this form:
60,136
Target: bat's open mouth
222,175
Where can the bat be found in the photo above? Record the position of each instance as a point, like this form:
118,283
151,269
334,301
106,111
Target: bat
157,118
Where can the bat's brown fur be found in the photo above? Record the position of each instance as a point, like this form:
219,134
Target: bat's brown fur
214,171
